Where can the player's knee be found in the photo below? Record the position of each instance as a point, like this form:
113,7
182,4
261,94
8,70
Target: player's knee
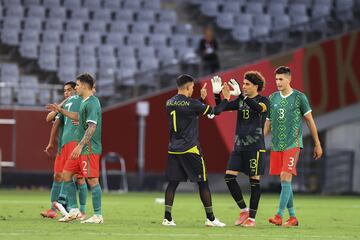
285,176
230,177
58,177
93,182
80,181
254,181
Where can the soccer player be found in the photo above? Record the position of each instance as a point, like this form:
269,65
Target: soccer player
66,136
248,155
86,155
287,108
185,159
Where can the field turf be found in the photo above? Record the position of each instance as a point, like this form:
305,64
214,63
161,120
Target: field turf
137,216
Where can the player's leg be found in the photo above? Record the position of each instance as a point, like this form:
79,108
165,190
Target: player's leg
83,190
254,167
90,169
288,168
56,187
194,166
233,168
169,201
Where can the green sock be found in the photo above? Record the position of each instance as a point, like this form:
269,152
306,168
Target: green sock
70,193
96,199
82,196
290,204
55,191
284,197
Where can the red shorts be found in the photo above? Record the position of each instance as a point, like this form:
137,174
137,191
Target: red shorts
59,163
85,166
284,161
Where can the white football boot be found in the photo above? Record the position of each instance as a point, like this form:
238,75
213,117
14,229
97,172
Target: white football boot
72,215
94,219
215,223
166,222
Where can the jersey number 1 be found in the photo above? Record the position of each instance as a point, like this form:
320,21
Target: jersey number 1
173,114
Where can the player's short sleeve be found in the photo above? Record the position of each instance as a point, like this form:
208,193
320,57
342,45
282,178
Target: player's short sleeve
92,112
200,108
304,105
60,117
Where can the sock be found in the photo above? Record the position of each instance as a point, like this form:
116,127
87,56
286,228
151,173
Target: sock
290,204
83,196
209,213
205,196
168,212
169,198
284,197
255,197
62,195
55,191
70,190
96,199
235,190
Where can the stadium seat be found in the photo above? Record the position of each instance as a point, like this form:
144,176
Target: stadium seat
225,20
119,27
126,15
209,8
80,14
112,4
158,40
52,36
276,9
141,27
168,16
51,3
36,12
99,26
163,28
12,23
33,24
26,96
66,73
179,41
166,55
93,38
28,3
67,49
106,50
72,37
10,37
75,25
30,36
71,4
115,38
132,4
146,52
146,16
92,4
254,8
54,24
136,39
102,14
29,50
57,12
241,33
233,7
86,50
245,19
15,11
153,5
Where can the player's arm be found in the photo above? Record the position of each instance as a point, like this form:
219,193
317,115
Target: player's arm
314,133
54,131
217,86
51,115
209,110
54,107
85,140
267,129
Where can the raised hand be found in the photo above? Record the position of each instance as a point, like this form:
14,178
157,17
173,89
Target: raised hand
226,91
203,92
53,107
216,83
235,86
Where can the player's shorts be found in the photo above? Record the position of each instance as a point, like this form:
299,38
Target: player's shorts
59,163
181,167
284,161
251,163
85,166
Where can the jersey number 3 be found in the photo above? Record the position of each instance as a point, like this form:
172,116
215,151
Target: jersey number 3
173,114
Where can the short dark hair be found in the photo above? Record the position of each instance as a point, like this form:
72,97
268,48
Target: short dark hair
184,79
86,78
283,70
255,78
71,83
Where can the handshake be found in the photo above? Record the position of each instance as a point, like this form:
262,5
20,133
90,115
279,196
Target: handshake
217,86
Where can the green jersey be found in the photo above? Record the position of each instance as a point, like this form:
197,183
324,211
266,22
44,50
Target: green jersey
60,132
70,130
285,117
90,111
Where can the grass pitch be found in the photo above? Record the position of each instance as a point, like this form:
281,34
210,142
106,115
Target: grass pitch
138,216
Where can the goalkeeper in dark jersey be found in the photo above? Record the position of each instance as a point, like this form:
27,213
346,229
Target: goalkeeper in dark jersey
248,155
185,159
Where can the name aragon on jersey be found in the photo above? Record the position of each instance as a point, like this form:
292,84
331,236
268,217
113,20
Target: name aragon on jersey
178,103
